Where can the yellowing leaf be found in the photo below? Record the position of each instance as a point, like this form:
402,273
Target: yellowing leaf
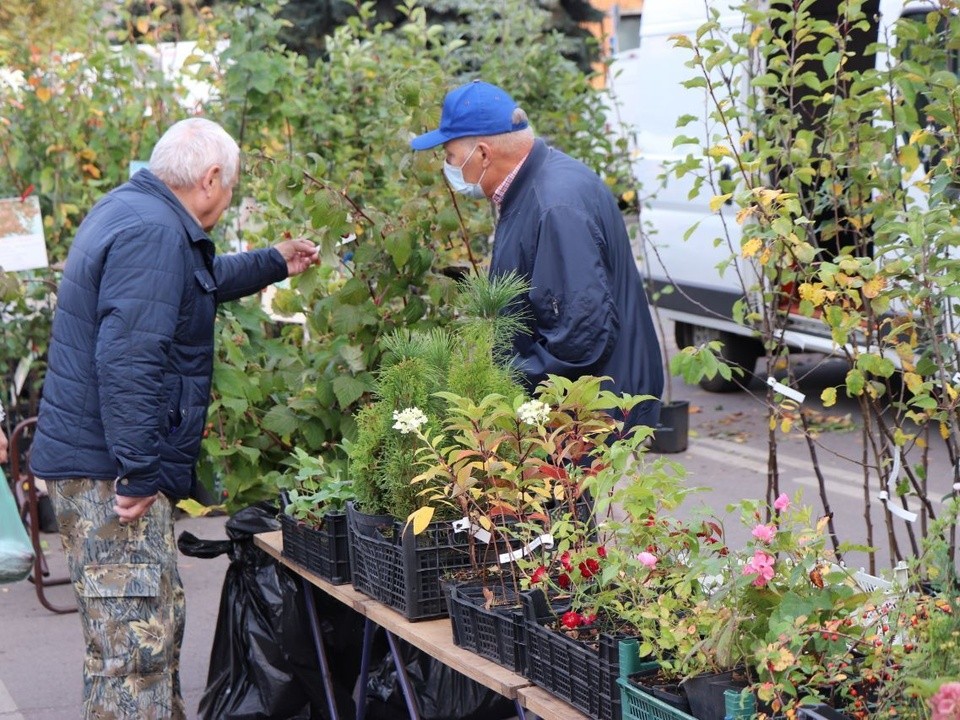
909,157
755,36
874,286
628,196
914,382
750,247
719,151
944,431
143,25
745,213
829,397
420,519
814,292
717,201
786,424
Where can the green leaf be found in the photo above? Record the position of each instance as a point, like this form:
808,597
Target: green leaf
281,420
348,390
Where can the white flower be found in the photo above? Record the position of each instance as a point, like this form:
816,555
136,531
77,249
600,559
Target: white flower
534,412
409,420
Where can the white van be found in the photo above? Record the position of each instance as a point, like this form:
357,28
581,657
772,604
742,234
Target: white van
647,84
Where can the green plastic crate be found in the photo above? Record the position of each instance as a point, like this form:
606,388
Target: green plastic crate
634,703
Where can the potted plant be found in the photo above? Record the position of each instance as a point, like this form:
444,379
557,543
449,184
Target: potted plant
394,564
314,521
515,470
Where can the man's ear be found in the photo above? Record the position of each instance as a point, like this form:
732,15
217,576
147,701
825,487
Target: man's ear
210,179
485,152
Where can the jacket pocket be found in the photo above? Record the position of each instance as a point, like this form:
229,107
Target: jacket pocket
116,580
182,444
172,415
205,279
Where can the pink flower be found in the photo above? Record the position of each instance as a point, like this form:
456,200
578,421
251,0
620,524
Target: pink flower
648,559
765,533
945,703
761,564
781,503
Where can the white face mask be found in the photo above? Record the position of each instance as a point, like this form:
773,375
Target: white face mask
455,178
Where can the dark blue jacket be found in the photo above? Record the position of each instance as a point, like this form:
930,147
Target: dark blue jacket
561,229
131,357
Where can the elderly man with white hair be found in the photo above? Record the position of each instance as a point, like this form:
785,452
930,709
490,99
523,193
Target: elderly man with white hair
125,402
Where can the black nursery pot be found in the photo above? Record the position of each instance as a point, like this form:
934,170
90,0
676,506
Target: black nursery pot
705,694
673,430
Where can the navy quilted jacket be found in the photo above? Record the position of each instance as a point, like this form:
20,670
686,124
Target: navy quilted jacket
587,313
131,356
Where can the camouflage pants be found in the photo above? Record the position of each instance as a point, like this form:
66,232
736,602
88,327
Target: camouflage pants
131,602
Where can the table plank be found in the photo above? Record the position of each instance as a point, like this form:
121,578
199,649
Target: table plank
272,544
537,700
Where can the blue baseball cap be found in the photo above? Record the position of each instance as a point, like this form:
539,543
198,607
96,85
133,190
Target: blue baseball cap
477,108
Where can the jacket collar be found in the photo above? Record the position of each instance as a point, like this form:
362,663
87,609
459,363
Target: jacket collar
146,181
530,166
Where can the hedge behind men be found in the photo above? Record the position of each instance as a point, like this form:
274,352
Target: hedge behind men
560,228
125,401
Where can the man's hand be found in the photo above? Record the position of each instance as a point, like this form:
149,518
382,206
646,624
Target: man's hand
3,447
299,254
131,509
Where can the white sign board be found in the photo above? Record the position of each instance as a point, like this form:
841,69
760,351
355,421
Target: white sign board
22,246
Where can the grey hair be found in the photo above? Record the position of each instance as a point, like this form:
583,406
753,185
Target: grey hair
191,147
510,143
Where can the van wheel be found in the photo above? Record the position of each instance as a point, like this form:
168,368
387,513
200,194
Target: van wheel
737,350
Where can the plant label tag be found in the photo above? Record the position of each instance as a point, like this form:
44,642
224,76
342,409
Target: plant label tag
545,540
787,392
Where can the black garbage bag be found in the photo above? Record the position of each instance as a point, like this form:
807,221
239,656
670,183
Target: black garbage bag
263,664
442,692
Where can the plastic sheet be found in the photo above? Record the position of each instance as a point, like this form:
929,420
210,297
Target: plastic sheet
263,664
442,693
16,551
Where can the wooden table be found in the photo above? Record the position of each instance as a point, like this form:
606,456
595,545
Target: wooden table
434,637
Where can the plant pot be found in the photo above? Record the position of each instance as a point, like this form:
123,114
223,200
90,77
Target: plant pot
324,551
582,673
495,633
673,429
705,694
637,704
402,570
653,684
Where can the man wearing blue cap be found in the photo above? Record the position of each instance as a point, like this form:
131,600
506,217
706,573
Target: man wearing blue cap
559,227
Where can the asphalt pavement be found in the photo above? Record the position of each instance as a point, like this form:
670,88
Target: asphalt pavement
41,653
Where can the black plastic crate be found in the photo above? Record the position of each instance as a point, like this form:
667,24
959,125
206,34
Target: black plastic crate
496,634
402,570
584,675
325,552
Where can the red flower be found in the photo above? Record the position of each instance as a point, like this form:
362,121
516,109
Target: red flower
589,568
564,581
601,551
571,620
538,575
565,561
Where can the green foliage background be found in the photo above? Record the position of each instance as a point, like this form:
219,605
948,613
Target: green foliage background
327,157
